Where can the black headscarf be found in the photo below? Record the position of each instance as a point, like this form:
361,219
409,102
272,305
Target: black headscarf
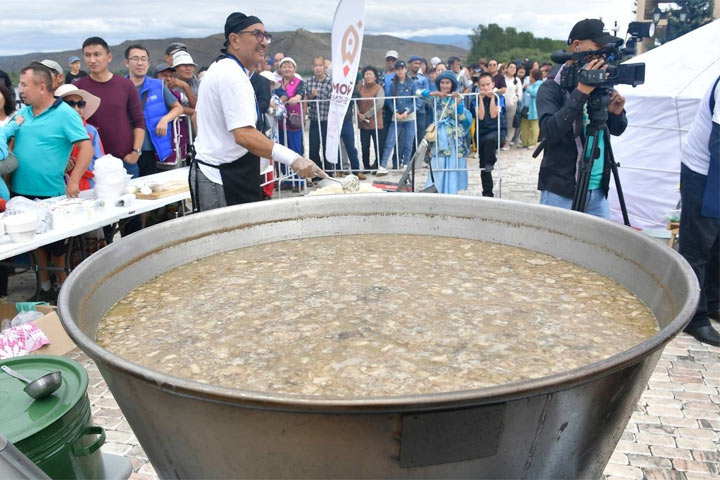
236,22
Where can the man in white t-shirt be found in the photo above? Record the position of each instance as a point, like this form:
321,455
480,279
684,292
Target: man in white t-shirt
700,216
226,166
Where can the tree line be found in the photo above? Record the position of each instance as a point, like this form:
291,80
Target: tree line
507,44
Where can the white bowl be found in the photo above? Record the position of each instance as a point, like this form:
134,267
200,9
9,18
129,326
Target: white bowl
21,222
22,236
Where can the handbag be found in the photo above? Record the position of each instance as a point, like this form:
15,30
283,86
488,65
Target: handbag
431,131
525,112
294,121
517,119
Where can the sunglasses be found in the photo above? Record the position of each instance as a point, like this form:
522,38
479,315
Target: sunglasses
79,103
260,35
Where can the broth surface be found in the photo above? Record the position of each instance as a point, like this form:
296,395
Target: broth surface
374,315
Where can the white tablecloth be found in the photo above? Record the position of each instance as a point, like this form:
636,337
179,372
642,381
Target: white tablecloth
107,216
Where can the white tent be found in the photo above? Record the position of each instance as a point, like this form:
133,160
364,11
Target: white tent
660,113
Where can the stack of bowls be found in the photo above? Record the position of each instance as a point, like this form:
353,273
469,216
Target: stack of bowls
21,227
110,178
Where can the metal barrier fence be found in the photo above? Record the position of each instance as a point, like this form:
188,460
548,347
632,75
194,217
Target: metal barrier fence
288,177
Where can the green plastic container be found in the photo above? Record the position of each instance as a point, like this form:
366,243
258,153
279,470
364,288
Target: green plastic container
55,432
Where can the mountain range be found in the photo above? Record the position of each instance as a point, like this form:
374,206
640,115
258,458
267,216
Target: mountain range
301,44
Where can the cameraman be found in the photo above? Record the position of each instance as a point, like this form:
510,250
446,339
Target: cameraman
563,118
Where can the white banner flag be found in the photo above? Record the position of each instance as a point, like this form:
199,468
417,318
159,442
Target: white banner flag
347,38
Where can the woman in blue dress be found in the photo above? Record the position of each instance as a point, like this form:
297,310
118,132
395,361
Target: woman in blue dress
452,121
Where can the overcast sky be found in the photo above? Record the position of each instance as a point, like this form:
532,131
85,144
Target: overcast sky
42,25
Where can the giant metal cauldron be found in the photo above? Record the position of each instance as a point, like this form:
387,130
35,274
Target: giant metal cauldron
562,426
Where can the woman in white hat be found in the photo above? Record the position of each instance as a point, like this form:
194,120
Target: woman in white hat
85,104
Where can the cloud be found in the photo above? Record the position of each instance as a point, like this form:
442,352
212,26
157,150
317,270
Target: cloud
43,26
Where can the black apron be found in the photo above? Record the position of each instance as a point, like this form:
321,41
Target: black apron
241,180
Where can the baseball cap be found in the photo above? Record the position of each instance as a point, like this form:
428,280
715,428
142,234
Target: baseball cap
414,58
73,59
391,54
175,47
52,65
400,64
592,29
162,67
435,61
182,58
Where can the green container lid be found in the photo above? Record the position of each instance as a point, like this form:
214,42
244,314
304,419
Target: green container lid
22,416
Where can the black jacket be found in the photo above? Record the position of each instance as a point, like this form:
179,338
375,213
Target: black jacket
261,85
558,113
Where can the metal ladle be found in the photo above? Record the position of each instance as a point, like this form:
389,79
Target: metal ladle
351,183
39,388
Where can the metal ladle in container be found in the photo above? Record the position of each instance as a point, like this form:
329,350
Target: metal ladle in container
39,388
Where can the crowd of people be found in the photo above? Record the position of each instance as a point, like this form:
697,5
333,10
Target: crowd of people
391,110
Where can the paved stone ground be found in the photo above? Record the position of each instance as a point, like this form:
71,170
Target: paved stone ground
673,433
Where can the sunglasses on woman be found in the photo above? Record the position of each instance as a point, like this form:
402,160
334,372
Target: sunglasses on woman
79,103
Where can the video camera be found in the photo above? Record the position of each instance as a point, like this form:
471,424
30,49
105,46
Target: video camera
615,73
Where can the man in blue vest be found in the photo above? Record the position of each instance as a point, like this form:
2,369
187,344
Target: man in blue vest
160,108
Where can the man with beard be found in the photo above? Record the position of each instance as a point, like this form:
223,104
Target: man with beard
226,167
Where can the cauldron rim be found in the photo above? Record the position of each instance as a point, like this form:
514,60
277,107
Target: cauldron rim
421,402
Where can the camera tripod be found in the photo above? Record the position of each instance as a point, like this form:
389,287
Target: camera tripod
596,131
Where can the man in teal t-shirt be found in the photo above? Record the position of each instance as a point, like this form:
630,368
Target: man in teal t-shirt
42,147
43,144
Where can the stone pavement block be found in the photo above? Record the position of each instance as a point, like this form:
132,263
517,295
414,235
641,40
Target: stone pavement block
619,458
715,382
675,387
630,437
142,476
686,379
671,452
701,413
695,443
691,396
700,476
125,427
642,418
107,423
706,456
623,471
655,439
700,388
106,403
137,451
675,350
652,393
695,466
660,377
687,372
688,362
646,461
631,447
116,448
147,468
632,427
119,437
711,424
661,429
663,402
698,433
664,411
665,363
679,422
107,412
663,474
715,398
